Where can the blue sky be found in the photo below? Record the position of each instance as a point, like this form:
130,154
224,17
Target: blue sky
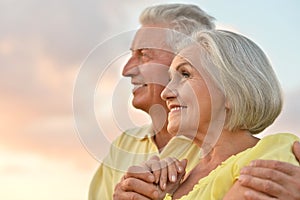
42,46
273,24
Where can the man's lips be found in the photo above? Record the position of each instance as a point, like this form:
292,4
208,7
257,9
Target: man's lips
137,86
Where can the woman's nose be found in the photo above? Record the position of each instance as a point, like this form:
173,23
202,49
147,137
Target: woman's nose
169,92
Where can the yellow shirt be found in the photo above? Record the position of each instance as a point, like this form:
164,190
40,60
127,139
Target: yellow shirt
219,181
132,148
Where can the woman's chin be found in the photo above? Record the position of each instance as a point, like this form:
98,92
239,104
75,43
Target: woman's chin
172,130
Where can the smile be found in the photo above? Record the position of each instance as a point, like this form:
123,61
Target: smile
177,108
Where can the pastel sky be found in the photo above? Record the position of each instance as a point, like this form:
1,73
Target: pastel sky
43,45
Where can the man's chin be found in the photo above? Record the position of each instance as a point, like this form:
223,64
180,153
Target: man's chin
139,105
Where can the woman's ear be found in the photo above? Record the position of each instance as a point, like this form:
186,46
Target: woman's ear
227,104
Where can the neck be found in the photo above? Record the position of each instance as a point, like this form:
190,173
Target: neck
160,122
161,139
228,144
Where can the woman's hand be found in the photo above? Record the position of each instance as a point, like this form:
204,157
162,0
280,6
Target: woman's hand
152,180
165,171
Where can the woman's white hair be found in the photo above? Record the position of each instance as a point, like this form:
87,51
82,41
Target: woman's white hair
243,72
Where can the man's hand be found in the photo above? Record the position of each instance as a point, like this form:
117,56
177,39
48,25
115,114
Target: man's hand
152,180
269,179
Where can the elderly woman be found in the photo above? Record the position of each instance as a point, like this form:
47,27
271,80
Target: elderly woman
222,91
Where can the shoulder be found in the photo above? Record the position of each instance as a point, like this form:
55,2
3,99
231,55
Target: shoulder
132,142
137,133
276,142
280,138
274,147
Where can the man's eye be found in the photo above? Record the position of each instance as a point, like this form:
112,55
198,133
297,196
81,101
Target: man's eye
143,54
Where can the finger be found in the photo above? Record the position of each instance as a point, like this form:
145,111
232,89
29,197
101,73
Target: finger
183,164
164,175
284,167
280,184
139,172
296,150
266,173
261,185
138,186
120,194
154,168
172,169
156,158
181,175
129,195
255,195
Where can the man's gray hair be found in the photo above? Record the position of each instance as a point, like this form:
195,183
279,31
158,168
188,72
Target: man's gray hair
183,18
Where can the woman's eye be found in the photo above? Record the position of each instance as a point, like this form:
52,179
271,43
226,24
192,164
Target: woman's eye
185,74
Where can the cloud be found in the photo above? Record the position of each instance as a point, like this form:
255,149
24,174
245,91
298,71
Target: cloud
48,179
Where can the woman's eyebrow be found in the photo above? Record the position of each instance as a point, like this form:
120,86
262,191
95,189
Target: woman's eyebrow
170,71
181,65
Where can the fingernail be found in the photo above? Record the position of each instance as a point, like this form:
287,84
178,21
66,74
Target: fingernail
252,163
155,194
242,178
164,186
180,169
151,178
173,178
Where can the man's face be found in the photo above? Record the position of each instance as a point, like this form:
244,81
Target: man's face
148,69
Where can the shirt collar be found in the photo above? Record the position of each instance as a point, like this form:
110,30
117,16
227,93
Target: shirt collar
141,133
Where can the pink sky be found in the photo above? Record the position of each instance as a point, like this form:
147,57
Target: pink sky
42,45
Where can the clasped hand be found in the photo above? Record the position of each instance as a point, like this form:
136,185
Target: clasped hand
151,180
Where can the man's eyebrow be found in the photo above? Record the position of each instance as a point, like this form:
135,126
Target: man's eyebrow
138,49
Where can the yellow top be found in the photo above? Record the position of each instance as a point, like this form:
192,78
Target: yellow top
132,148
219,181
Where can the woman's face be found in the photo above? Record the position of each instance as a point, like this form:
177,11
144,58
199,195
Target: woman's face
188,99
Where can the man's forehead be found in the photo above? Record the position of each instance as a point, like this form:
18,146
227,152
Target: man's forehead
151,38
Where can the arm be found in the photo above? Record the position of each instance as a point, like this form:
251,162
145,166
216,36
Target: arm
265,179
152,180
108,174
266,183
98,187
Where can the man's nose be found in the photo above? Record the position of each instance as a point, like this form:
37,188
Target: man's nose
131,67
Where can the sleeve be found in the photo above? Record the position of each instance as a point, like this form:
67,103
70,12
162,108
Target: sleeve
101,187
272,147
102,184
168,197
